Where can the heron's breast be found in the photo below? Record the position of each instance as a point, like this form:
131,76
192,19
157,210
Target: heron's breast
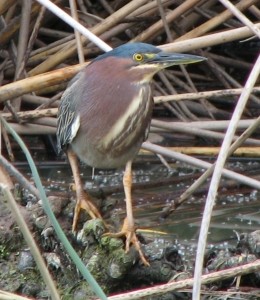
113,139
131,125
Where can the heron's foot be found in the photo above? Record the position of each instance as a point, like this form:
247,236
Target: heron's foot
129,233
84,202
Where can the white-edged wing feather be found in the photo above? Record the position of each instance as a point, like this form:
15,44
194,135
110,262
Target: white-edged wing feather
68,119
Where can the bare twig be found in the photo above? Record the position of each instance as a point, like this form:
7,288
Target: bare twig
217,175
200,163
234,9
187,283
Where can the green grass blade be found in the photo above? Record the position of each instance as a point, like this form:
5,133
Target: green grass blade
45,203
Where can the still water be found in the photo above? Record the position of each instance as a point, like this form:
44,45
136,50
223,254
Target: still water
237,208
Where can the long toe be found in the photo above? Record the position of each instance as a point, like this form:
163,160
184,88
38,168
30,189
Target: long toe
131,239
84,202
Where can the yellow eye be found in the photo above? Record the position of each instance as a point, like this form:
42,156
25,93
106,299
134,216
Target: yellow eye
138,57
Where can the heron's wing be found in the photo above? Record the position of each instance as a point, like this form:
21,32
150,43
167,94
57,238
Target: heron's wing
68,118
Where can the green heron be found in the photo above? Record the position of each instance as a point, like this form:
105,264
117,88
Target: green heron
104,117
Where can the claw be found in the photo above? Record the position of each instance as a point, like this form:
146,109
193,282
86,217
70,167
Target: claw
84,202
131,239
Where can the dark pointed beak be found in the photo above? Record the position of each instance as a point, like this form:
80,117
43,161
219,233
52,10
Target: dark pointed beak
165,59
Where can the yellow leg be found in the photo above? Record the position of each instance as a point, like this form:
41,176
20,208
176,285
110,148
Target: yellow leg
83,199
128,229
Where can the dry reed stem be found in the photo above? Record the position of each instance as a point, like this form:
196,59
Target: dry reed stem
74,14
235,11
212,151
217,94
25,115
33,129
200,163
12,90
70,49
232,150
5,5
186,128
212,193
14,25
188,283
38,82
209,40
214,22
11,296
155,28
